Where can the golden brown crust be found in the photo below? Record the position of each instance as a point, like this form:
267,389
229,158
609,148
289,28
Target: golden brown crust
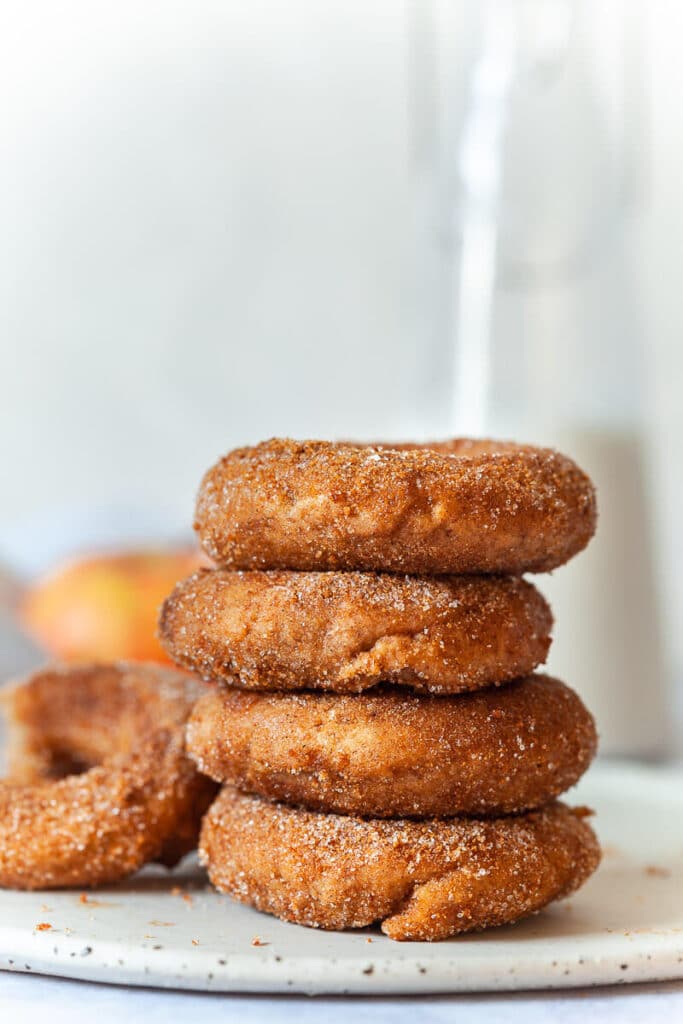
423,880
138,796
393,754
346,632
447,507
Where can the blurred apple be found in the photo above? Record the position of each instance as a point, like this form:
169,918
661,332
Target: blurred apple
105,606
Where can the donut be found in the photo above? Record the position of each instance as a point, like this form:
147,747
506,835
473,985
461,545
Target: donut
456,506
421,879
347,631
99,781
394,754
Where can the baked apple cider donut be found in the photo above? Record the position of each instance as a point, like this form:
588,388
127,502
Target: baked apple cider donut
347,631
456,506
394,754
421,879
99,781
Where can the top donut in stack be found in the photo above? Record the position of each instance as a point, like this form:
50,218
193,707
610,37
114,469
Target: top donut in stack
457,506
365,611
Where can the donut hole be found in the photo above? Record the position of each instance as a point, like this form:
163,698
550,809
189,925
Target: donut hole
59,764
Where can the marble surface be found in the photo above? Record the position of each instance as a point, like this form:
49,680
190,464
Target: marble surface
31,1000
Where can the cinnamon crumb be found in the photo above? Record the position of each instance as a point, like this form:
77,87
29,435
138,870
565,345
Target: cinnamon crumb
88,901
44,926
177,891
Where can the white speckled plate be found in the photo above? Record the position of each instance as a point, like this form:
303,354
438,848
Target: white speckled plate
172,931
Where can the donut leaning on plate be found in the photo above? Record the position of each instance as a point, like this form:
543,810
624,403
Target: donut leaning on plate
99,779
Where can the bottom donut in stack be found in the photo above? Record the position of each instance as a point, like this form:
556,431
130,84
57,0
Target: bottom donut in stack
423,880
481,771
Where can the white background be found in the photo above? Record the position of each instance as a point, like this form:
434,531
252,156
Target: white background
26,1000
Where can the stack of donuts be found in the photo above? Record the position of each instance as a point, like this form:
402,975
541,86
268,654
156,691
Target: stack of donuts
385,752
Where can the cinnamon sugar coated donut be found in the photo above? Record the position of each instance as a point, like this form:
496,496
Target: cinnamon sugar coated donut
421,879
99,782
393,754
348,631
457,506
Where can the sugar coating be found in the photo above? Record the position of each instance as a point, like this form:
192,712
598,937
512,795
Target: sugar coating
457,506
423,880
99,783
347,631
389,753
